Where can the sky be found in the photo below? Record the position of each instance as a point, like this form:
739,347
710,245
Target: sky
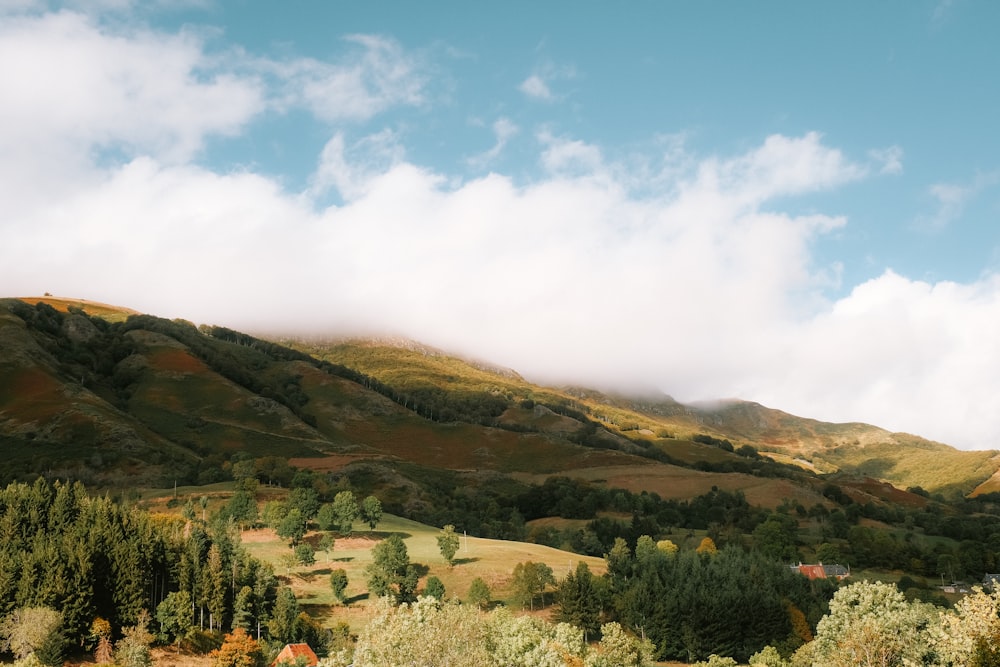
791,203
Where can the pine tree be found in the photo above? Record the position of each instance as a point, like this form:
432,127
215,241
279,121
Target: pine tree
283,616
580,600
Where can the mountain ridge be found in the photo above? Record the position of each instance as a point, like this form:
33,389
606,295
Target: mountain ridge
191,396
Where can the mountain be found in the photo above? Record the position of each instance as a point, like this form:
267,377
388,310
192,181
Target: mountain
115,397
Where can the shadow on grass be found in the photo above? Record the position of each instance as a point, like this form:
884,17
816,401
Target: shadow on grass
357,598
466,561
382,534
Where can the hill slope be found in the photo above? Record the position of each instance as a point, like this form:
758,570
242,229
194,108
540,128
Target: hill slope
108,395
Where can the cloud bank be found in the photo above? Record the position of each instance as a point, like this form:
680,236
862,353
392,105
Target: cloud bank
694,276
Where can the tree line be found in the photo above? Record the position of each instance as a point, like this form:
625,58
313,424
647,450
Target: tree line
99,563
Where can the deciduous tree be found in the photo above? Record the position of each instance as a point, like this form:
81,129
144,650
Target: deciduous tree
238,650
448,543
479,593
346,509
338,582
371,511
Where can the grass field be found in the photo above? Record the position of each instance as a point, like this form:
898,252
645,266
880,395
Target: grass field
492,560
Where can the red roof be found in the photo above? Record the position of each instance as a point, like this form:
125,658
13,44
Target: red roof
292,652
812,571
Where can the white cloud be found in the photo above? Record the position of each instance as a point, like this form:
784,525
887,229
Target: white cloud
349,169
570,156
503,131
379,75
692,277
890,159
536,87
904,354
952,199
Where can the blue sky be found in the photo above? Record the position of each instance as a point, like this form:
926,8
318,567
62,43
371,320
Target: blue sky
791,203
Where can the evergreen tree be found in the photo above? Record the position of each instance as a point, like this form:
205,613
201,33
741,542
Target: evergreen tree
580,598
434,588
286,610
243,608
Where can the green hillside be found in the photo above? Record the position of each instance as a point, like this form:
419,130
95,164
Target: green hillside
105,394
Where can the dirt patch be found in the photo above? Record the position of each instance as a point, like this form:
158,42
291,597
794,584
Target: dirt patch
265,535
258,536
331,463
177,361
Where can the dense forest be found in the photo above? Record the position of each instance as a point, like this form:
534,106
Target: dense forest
97,561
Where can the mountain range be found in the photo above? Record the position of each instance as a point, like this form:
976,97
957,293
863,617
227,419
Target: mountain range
117,398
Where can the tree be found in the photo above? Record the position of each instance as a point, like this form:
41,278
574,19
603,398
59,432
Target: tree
273,512
707,547
873,624
371,511
828,553
620,649
667,547
345,508
619,560
448,543
326,544
390,572
305,500
969,632
338,582
100,632
530,580
242,506
243,609
27,630
581,598
326,518
646,553
776,537
305,555
768,657
174,616
434,588
132,650
479,593
283,617
238,650
292,527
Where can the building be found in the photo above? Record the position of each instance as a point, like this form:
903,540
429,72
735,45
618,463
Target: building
296,654
821,571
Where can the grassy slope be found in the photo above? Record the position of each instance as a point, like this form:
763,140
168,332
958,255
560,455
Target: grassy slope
821,447
492,560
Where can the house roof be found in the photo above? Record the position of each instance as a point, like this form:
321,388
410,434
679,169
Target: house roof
292,652
822,571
